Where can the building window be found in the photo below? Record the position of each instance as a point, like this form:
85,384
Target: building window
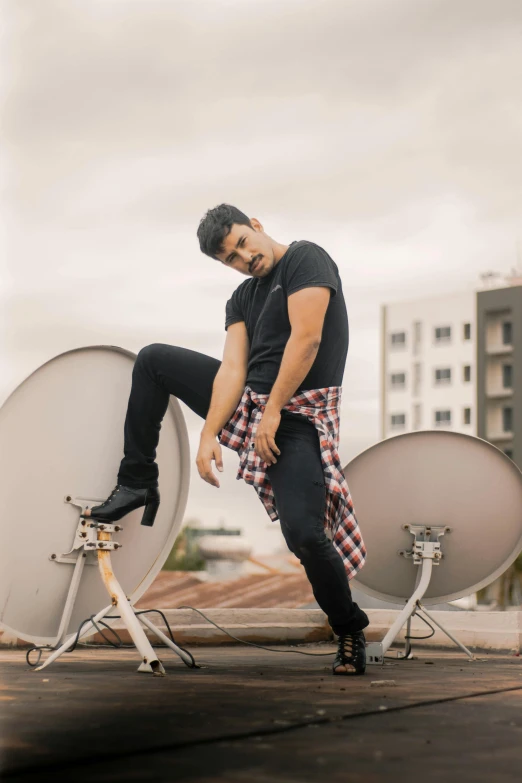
507,376
443,376
467,331
398,380
443,334
467,416
398,421
509,453
507,333
442,418
466,374
507,419
398,339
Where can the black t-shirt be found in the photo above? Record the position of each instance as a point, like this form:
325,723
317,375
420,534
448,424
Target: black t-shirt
262,304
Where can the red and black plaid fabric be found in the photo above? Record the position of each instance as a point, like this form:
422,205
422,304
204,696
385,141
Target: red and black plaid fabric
322,407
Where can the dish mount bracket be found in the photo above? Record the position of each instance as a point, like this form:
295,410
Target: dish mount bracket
93,544
425,552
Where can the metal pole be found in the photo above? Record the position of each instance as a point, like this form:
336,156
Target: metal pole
119,599
453,639
150,625
407,647
426,568
70,641
71,597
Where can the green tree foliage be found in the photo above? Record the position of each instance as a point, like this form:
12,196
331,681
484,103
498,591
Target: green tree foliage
184,555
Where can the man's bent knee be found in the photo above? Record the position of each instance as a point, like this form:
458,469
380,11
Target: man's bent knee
150,352
309,544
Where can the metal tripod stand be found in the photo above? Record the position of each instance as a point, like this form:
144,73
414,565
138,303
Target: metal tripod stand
425,552
93,541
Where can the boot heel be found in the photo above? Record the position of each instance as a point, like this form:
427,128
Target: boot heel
149,514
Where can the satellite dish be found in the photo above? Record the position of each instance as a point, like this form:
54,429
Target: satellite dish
458,496
61,434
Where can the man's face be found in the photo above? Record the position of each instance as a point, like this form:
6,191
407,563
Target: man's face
248,250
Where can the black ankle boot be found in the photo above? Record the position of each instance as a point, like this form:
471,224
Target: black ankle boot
123,500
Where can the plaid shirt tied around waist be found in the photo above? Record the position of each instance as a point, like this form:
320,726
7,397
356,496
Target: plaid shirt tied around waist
322,407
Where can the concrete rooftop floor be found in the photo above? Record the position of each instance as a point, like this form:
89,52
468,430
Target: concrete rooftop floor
256,716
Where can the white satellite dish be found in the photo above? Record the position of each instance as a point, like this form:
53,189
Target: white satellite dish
434,499
61,436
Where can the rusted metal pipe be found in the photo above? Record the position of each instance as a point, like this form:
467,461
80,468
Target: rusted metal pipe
126,611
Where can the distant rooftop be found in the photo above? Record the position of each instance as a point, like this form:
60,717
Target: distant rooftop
261,591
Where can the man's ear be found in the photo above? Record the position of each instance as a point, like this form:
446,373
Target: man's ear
256,225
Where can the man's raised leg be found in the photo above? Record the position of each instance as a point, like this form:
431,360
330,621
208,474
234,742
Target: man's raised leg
159,371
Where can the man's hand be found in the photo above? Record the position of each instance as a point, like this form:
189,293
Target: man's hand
209,449
265,444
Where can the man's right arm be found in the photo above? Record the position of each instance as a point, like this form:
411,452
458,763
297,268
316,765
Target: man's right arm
227,391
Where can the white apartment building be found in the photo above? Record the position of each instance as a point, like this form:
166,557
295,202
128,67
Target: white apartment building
428,373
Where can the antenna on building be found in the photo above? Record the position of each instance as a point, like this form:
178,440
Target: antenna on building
515,276
491,279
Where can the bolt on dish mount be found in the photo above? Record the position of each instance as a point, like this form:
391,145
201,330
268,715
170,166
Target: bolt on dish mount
93,544
425,552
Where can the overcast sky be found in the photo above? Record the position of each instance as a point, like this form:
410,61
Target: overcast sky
388,132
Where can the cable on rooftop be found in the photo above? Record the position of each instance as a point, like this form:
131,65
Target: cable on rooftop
118,644
253,644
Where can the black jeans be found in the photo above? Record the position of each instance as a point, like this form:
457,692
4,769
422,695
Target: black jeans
297,477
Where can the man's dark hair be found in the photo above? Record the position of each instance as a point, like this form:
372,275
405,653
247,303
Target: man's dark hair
215,226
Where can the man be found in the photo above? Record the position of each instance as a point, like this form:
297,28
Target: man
274,398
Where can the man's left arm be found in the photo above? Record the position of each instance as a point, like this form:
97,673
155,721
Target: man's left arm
306,312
